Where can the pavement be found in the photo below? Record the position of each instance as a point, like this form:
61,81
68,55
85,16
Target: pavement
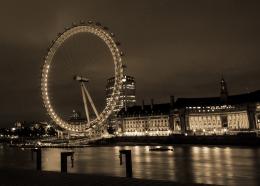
44,178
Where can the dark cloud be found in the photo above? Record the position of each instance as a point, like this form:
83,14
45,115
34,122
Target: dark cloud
172,47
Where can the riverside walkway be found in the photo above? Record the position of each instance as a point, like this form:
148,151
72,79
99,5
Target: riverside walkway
44,178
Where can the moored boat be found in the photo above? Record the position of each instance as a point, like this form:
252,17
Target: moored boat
161,149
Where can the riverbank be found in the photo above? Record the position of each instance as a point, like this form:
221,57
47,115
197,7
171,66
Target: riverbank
44,178
226,140
247,139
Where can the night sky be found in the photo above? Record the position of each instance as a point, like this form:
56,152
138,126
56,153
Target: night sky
178,48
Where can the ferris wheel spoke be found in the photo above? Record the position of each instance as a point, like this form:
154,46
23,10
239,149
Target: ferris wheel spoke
91,101
85,101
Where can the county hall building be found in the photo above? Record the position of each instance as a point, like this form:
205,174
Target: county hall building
225,114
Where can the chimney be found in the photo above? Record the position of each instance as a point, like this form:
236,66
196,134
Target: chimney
143,105
151,104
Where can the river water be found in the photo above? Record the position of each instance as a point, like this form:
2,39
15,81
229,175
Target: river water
199,164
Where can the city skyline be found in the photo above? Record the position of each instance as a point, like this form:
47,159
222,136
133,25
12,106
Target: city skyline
173,48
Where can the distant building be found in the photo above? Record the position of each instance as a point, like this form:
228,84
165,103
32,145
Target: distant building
126,99
76,118
18,125
127,95
32,125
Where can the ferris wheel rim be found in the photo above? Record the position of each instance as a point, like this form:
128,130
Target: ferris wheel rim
107,38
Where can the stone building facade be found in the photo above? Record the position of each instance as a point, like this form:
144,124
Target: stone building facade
217,115
194,116
145,120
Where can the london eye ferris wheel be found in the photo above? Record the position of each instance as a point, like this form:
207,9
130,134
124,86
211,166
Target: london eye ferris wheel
99,118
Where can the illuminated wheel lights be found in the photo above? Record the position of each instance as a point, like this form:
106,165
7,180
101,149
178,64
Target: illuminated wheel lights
107,37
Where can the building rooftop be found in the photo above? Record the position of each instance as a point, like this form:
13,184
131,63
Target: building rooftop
152,109
112,79
232,100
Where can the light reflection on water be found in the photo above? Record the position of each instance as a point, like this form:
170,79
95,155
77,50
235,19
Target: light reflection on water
212,165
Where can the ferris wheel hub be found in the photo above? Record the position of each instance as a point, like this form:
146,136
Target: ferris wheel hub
81,78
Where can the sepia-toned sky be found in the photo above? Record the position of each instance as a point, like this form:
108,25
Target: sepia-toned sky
178,48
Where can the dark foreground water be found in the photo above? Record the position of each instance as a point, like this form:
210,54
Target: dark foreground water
212,165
